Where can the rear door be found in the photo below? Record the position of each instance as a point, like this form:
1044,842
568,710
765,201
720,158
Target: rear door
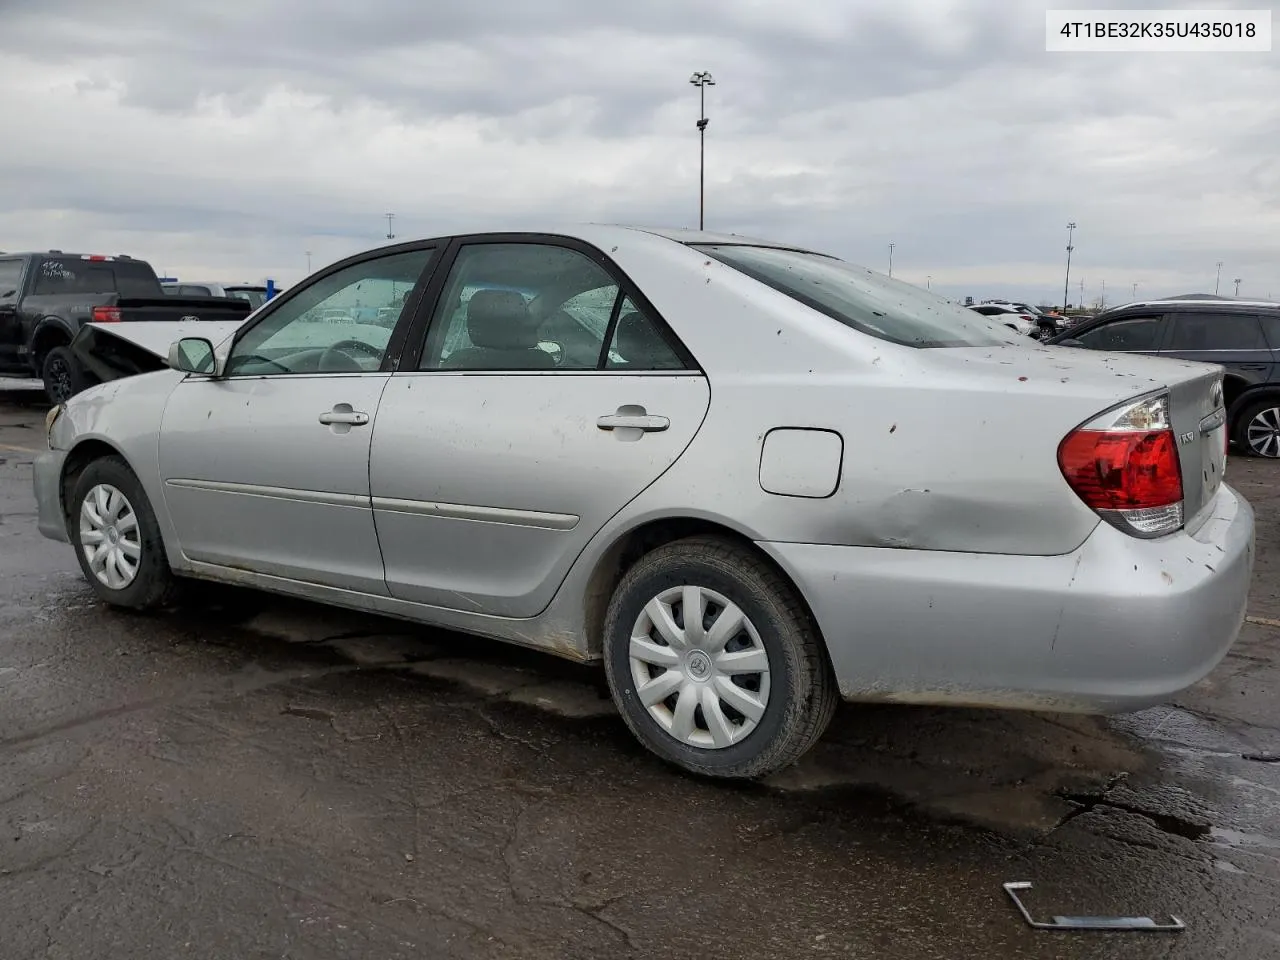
10,328
543,396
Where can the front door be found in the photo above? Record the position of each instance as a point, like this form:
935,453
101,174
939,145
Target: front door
266,468
515,435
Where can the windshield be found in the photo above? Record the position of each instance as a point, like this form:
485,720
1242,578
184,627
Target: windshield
864,300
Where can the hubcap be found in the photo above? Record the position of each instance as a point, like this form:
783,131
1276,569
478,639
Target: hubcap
109,536
1264,433
699,667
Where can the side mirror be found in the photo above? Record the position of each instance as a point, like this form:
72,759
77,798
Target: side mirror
193,355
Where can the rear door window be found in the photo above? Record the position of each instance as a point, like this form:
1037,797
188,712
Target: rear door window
1125,335
10,277
65,275
1215,331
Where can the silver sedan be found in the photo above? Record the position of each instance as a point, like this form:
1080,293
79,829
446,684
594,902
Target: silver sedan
751,480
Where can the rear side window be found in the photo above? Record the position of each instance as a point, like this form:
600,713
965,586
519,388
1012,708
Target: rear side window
1216,331
1131,334
73,276
194,291
864,300
10,277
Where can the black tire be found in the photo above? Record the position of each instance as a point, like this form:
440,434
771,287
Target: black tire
1240,431
61,375
153,584
802,687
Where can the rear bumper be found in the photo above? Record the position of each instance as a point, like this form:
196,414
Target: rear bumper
47,480
1119,624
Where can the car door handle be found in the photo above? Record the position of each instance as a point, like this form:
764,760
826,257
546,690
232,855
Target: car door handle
633,421
352,418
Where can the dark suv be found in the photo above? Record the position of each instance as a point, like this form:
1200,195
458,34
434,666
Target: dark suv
1243,337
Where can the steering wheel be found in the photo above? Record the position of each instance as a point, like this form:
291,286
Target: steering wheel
338,351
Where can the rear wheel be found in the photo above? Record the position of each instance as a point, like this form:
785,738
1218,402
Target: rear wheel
714,662
117,538
61,375
1258,428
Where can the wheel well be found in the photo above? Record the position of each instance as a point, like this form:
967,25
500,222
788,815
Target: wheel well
77,460
1240,399
46,338
622,555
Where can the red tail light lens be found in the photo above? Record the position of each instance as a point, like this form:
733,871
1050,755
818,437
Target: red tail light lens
1125,466
106,314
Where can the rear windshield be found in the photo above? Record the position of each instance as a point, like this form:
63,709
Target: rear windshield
867,301
75,276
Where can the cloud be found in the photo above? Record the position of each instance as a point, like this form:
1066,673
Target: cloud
229,139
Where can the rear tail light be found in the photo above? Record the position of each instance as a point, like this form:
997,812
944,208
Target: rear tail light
1124,465
106,314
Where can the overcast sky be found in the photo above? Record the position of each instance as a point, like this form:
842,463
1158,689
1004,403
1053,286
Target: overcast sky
226,139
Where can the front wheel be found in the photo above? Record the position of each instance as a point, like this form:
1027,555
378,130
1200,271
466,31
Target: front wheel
714,663
117,538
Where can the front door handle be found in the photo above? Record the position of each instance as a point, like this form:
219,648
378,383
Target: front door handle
343,415
633,421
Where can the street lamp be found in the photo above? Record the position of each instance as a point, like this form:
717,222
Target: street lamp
1237,281
390,233
1135,290
308,263
1217,279
891,246
702,79
1071,229
928,283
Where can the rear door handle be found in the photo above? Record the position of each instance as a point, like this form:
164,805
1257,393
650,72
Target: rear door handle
622,421
343,414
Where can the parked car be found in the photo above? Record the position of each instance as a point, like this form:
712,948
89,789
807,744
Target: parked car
1011,317
1241,336
255,293
757,480
1048,323
46,298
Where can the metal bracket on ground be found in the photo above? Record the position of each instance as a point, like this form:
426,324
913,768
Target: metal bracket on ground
1139,924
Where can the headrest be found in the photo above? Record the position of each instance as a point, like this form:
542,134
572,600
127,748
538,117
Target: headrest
499,320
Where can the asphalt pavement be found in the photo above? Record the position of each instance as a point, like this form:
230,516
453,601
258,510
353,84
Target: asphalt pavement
252,777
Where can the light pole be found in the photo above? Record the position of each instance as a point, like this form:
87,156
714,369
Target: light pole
1135,290
1071,229
702,79
1102,304
1217,279
1237,281
928,283
390,233
1081,293
891,246
308,263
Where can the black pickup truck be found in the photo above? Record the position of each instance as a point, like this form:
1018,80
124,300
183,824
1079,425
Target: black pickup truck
46,298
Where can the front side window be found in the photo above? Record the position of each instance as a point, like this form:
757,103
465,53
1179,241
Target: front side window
1128,335
862,299
521,306
1216,331
336,324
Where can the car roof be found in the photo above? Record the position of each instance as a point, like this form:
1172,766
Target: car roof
1202,306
